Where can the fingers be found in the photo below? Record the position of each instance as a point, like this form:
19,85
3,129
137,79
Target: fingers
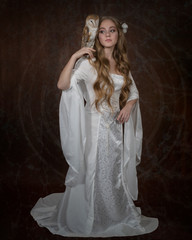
126,118
120,118
86,51
123,117
89,51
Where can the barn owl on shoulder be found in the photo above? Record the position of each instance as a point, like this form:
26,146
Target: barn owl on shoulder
90,30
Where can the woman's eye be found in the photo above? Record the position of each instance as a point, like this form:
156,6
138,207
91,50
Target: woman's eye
112,30
101,31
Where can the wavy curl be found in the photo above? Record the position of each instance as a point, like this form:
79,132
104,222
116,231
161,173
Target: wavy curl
103,85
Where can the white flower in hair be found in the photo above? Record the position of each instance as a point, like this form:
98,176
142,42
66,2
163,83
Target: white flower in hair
124,27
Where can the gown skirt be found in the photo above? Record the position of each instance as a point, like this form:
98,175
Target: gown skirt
100,204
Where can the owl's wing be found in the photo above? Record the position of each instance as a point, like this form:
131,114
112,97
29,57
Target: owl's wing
85,36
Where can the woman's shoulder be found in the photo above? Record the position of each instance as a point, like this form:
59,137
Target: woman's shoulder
84,65
84,70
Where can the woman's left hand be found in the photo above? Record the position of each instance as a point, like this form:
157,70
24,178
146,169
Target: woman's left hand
125,112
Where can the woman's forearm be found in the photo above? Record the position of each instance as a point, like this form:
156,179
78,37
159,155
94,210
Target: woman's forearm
65,76
131,103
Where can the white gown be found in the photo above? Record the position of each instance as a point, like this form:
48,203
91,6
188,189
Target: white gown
101,182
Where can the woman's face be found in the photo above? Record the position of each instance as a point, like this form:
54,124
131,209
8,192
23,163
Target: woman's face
108,34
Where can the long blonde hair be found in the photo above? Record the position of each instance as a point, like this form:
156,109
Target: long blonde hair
103,85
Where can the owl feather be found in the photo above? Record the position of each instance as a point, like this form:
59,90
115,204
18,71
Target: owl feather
90,30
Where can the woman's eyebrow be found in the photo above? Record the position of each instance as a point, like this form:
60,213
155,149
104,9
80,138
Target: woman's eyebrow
109,27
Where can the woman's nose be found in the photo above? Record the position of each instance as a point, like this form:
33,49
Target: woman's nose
107,33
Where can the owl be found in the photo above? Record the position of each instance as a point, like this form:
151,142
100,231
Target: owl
89,31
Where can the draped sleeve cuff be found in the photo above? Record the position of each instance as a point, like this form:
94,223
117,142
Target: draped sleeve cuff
134,94
133,134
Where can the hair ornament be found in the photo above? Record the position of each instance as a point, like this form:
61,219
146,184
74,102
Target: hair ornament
124,27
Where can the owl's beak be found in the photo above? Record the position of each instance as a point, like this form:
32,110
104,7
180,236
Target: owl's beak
95,24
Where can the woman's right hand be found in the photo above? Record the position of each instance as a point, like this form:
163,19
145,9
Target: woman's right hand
84,51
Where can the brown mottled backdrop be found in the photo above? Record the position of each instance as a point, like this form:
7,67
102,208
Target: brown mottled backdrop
37,38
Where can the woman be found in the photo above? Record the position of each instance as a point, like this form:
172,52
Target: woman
101,136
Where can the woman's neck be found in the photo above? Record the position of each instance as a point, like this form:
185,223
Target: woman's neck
108,53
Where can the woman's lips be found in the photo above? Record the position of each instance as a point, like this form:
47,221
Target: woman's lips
108,40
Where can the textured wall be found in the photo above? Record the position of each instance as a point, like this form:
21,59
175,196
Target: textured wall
37,38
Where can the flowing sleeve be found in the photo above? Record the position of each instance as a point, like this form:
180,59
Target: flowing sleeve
134,94
72,126
133,134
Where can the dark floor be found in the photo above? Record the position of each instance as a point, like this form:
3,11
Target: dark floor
37,38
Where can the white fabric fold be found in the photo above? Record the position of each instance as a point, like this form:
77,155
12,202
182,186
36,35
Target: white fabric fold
72,132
